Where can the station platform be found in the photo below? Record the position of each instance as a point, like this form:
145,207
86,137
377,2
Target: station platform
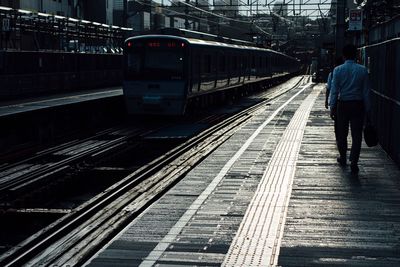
32,123
272,195
25,105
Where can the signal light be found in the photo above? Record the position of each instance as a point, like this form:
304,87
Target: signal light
129,44
154,44
182,44
171,44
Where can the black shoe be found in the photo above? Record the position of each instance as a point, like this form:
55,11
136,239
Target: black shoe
354,169
342,162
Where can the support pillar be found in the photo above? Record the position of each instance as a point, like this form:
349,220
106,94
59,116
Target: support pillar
340,26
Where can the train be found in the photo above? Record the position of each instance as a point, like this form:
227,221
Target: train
171,75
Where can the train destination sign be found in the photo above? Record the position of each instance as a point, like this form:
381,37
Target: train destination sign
355,20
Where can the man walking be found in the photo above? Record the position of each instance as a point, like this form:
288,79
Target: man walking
338,62
350,91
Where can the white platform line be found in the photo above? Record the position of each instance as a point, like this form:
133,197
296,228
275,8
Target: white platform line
157,252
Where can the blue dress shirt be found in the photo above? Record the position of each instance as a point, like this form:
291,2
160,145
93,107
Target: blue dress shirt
350,82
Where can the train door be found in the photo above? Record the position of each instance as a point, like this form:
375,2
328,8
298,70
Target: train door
246,68
222,70
207,69
234,67
253,66
214,66
265,64
195,70
241,67
269,63
229,62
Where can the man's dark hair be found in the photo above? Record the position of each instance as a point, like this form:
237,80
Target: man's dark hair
350,51
338,61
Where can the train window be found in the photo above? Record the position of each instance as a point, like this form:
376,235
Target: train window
164,60
154,63
253,62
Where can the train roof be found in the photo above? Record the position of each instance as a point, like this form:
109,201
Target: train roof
200,35
204,42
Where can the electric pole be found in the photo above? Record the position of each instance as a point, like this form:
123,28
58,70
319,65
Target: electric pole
340,26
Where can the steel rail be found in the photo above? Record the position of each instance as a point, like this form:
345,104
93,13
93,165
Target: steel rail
60,166
54,149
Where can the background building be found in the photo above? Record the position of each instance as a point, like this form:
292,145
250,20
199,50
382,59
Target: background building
99,10
118,12
10,3
58,7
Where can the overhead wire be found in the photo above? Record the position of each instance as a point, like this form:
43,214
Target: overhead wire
223,17
252,23
191,16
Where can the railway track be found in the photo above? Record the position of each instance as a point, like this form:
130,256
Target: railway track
77,235
58,160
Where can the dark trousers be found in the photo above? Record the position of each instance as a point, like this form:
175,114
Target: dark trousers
349,112
335,123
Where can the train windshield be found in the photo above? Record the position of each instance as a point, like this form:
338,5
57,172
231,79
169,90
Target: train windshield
154,60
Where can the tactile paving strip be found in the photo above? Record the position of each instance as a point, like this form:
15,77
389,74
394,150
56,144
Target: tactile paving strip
257,241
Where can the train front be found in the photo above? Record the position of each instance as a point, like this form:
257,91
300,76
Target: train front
155,75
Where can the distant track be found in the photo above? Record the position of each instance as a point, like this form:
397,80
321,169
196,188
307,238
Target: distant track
42,166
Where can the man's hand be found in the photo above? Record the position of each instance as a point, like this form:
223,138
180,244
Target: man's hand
333,113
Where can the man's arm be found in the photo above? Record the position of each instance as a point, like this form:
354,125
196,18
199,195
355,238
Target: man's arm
328,89
333,95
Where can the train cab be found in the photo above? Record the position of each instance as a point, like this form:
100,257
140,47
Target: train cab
155,74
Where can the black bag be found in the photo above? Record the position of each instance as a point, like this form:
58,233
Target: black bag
370,136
